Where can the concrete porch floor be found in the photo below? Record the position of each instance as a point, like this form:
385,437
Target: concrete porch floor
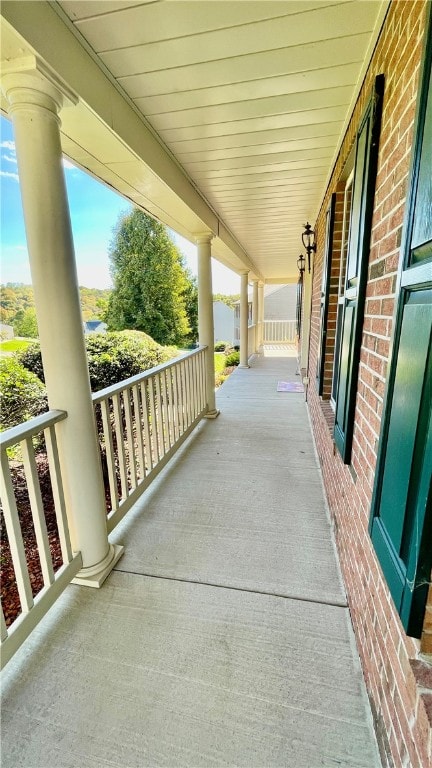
223,637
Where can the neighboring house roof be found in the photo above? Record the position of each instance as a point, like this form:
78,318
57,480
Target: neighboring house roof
93,326
269,290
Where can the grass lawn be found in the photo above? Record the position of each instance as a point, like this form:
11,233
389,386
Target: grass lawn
13,345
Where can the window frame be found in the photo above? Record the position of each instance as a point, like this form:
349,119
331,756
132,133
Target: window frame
325,292
365,171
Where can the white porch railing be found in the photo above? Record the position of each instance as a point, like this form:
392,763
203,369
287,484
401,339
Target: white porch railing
143,421
33,608
279,331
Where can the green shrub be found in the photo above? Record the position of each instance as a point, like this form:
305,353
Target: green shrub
31,359
221,346
23,395
219,362
232,359
112,357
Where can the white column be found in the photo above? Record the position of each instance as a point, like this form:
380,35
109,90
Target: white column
255,314
244,311
255,302
205,316
260,313
34,105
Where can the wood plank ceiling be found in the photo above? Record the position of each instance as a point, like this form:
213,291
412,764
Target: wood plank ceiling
250,97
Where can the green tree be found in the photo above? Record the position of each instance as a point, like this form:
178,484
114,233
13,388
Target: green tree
191,300
228,300
94,302
150,281
26,324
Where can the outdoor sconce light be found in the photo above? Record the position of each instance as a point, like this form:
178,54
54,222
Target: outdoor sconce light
308,240
301,264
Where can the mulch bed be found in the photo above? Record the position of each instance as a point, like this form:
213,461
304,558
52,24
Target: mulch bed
8,586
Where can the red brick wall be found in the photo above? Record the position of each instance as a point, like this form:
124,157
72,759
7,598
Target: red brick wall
399,709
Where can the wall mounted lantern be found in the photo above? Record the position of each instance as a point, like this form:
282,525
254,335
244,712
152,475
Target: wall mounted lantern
301,264
308,240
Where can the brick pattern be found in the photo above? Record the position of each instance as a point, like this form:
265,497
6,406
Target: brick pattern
400,706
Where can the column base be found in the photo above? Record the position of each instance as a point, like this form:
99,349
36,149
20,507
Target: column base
96,575
243,366
212,414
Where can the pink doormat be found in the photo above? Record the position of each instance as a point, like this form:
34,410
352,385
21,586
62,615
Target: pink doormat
290,386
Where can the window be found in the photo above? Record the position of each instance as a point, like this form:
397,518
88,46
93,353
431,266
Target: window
325,293
363,189
347,197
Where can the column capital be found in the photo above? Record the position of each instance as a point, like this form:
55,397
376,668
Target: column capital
28,81
203,237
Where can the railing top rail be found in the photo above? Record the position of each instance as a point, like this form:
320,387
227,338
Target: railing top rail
15,435
97,397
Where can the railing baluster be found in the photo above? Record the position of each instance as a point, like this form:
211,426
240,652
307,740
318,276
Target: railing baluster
58,493
38,514
3,627
148,449
201,380
168,379
165,412
175,402
194,387
109,449
16,543
138,429
159,416
154,423
118,421
182,396
188,393
130,437
191,403
204,377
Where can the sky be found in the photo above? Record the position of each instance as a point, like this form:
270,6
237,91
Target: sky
94,209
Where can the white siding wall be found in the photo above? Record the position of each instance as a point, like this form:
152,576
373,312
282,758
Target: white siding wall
223,317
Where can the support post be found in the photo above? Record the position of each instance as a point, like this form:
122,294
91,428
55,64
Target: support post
244,317
205,317
35,99
260,314
306,317
255,313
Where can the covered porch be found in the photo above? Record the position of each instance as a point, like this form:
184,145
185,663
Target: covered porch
222,636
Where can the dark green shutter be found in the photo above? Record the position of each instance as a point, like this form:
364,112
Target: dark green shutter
357,266
325,293
401,523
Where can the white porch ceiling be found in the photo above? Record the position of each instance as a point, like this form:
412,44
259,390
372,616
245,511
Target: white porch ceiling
247,100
